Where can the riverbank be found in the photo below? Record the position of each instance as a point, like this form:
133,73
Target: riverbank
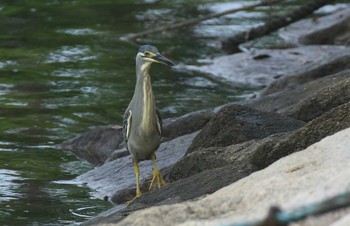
224,164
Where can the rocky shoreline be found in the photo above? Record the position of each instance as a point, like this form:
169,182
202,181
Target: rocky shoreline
288,146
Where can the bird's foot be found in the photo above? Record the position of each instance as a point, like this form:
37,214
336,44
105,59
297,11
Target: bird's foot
160,180
138,195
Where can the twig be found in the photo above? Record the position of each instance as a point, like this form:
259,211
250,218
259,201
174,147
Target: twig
191,22
276,217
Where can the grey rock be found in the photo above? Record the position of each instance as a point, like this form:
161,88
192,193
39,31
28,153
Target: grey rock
186,124
309,100
118,175
308,175
200,184
237,141
323,100
317,30
327,124
205,159
96,145
235,124
248,69
324,66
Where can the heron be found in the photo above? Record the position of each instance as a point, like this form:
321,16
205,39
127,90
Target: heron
142,125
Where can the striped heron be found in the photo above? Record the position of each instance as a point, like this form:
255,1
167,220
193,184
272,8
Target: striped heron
142,122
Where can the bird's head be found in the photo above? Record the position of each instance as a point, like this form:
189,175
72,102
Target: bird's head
148,54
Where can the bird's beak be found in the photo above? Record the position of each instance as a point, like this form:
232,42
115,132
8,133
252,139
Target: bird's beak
159,58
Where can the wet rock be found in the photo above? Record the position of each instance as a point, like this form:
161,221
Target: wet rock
96,145
309,61
316,30
118,175
261,68
309,100
331,64
327,124
308,175
235,124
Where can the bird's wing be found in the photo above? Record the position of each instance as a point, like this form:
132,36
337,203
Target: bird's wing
159,122
127,125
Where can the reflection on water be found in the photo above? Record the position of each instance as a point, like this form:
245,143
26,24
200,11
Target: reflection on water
81,31
63,70
8,185
70,54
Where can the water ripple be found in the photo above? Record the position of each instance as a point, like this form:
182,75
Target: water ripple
6,63
8,186
71,54
81,31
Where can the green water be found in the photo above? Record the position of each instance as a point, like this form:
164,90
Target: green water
64,70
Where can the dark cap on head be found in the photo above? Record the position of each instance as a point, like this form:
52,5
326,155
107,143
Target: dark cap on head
150,48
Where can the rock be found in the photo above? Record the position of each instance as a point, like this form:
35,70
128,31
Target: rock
217,157
313,31
323,100
327,124
250,70
186,124
344,221
96,145
236,141
309,100
206,182
309,176
260,68
325,66
118,175
118,154
235,124
213,168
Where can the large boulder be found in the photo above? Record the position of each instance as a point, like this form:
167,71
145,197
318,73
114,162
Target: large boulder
333,63
208,169
264,67
327,124
235,124
205,159
96,145
313,30
117,176
308,100
309,176
185,124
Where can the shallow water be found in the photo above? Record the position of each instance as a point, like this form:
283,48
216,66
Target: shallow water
64,70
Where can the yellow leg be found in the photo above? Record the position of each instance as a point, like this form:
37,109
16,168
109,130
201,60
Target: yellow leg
138,191
156,173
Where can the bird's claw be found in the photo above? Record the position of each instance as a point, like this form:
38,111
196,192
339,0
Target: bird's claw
160,180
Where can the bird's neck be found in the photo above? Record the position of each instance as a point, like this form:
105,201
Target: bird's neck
146,105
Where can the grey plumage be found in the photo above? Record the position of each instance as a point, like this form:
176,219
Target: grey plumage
142,122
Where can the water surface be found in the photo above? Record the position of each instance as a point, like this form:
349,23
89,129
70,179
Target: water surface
63,70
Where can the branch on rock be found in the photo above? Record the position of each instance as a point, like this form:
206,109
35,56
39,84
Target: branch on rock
191,22
276,217
231,45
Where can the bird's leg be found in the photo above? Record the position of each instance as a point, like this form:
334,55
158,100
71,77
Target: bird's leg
156,173
138,191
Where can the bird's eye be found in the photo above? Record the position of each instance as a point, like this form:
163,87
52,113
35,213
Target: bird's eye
147,54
